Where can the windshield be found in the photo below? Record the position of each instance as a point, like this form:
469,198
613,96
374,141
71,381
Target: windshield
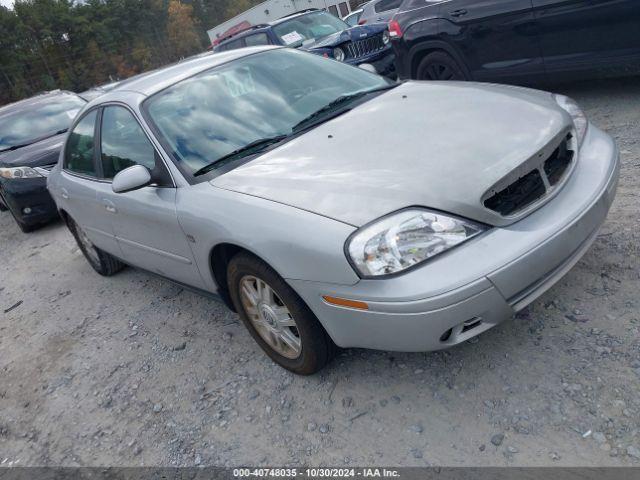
310,27
261,96
38,120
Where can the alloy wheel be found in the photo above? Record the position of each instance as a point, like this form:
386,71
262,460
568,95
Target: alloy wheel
270,317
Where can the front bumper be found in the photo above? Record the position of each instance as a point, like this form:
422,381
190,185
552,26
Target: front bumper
30,193
473,288
383,62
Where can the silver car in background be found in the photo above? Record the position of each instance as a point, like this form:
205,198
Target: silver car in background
237,175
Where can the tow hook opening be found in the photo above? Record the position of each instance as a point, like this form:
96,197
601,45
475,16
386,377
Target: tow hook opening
460,329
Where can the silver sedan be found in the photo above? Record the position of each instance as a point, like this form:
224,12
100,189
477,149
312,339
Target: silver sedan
331,207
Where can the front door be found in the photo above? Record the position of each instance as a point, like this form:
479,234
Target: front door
144,221
497,38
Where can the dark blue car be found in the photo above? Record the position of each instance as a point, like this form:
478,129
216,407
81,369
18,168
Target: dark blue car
321,33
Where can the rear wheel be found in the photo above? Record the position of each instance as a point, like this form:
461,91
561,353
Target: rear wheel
276,317
100,261
440,66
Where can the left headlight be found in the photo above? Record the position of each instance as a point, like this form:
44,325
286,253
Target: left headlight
580,120
338,54
19,172
385,37
407,238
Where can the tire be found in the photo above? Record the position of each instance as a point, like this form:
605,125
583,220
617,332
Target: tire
440,66
268,321
103,263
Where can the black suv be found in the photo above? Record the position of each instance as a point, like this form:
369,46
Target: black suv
31,136
516,41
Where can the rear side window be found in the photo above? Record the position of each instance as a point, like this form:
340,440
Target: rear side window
333,10
123,143
257,39
386,5
79,152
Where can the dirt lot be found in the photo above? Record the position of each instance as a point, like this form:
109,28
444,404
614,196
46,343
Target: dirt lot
132,370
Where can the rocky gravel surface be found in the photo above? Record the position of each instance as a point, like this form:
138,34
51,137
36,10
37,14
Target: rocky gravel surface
131,370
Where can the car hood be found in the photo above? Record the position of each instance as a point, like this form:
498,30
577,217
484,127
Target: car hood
359,32
440,145
44,152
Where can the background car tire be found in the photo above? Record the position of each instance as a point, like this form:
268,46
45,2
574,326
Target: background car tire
440,66
317,347
100,261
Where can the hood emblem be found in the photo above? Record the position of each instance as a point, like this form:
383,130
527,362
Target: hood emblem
363,35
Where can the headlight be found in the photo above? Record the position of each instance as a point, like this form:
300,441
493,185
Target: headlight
19,172
385,37
405,239
579,119
338,54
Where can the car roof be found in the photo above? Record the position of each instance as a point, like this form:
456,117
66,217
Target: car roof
34,101
152,82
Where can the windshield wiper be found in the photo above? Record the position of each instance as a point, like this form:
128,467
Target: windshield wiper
36,140
251,148
340,101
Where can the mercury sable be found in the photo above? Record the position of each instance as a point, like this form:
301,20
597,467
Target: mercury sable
330,207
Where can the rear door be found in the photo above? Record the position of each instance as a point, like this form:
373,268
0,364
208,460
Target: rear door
580,35
144,221
498,39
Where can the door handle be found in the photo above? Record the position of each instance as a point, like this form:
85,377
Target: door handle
459,13
109,206
64,193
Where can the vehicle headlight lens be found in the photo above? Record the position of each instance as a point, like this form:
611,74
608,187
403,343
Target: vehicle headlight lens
338,54
579,118
385,37
405,239
19,172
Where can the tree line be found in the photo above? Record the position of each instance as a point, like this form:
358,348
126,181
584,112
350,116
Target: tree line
76,45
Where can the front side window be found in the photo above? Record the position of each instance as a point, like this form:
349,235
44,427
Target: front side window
123,143
269,94
42,118
309,27
79,152
344,9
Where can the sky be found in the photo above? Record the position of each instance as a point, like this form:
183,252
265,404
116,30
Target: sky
6,3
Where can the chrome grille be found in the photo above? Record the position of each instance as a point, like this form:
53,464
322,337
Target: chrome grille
535,185
364,47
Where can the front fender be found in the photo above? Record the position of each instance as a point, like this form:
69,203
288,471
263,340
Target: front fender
298,244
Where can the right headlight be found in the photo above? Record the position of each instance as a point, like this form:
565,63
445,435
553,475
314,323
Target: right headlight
407,238
338,54
579,118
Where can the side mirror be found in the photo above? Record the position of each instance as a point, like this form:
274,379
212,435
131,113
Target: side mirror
131,178
368,67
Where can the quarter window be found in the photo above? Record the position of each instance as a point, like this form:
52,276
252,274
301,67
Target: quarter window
257,39
123,143
79,153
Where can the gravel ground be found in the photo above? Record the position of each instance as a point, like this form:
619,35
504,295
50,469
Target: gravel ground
132,370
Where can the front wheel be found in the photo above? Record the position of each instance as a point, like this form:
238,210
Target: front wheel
276,317
100,261
440,66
